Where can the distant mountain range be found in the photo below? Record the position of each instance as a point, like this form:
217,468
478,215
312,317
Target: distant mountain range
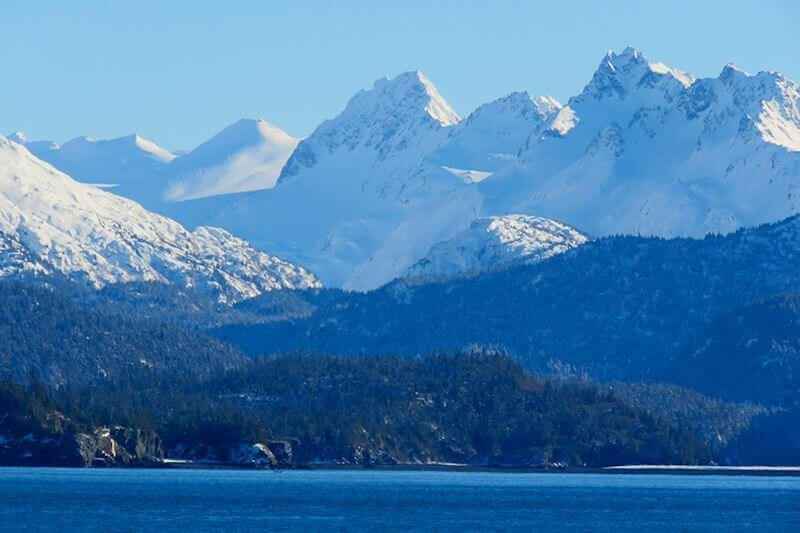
247,155
643,149
50,223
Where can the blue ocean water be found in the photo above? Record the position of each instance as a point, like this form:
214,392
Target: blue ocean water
55,498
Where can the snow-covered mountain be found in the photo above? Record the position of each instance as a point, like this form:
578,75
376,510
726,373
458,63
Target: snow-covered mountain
643,149
491,136
495,242
382,128
370,192
647,149
246,156
129,165
357,202
48,221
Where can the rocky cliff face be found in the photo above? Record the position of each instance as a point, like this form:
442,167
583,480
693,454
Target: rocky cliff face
266,454
293,453
115,446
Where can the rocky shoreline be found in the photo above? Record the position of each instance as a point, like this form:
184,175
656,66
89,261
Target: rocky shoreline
114,446
120,446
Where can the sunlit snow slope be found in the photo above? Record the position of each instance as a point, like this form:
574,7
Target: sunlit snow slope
246,156
131,165
48,221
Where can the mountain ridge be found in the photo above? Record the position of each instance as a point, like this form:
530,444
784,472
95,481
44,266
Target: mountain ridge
53,222
642,149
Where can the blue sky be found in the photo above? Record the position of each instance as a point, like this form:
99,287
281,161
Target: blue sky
176,72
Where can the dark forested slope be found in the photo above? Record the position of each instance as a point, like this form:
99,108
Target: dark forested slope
475,408
627,308
44,332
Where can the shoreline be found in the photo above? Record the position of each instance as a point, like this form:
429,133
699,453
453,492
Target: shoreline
679,470
682,470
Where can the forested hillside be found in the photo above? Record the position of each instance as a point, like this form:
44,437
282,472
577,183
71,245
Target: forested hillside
45,333
625,308
478,408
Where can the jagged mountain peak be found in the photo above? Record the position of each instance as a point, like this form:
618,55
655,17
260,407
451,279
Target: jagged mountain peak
752,107
620,74
492,135
395,116
414,88
732,74
410,95
730,70
665,157
626,64
518,102
628,55
764,84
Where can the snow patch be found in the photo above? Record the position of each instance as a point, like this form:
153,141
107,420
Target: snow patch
468,176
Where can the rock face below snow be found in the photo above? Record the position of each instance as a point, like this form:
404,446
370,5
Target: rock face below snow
48,221
494,242
267,454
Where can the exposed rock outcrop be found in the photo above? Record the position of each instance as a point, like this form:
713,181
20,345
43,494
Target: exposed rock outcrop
116,446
